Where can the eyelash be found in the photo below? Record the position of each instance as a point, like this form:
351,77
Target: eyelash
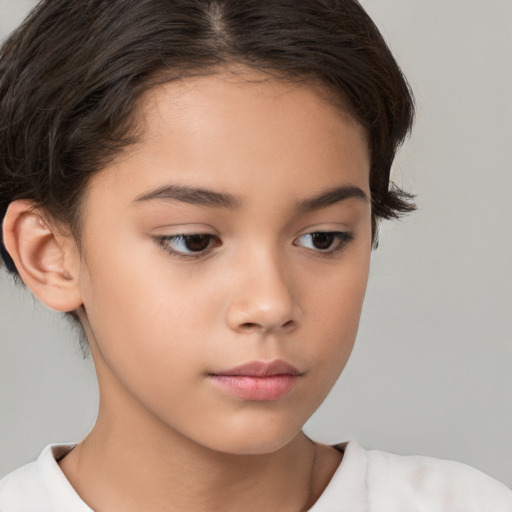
163,242
340,238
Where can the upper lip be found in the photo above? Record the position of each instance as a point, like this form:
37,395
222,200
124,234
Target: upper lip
261,369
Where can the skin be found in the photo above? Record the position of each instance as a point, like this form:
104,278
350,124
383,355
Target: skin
167,439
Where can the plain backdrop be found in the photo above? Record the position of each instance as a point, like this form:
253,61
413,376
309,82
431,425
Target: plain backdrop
431,371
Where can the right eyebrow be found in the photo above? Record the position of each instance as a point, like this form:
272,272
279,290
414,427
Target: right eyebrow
332,196
190,195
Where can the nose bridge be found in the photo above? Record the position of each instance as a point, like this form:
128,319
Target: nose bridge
262,295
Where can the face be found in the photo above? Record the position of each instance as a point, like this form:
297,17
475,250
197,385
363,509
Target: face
225,260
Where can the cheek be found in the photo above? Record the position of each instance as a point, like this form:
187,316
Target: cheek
151,318
337,296
335,310
146,337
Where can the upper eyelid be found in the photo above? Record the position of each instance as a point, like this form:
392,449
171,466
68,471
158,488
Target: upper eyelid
162,239
346,236
186,235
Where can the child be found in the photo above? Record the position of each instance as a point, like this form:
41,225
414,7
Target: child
198,183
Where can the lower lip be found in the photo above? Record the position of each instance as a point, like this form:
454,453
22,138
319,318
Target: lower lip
256,388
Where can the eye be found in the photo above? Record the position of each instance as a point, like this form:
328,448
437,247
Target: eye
325,241
193,245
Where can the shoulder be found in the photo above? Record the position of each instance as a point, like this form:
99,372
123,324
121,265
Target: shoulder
444,485
41,486
377,481
23,491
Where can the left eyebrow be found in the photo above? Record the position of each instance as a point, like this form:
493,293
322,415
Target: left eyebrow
191,195
331,196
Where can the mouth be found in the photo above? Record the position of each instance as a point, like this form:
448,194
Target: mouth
258,380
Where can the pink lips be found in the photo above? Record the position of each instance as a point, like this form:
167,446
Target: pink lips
258,380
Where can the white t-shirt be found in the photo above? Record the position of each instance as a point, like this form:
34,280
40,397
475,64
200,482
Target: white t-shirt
365,481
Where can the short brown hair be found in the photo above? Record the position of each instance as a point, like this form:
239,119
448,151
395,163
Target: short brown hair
71,74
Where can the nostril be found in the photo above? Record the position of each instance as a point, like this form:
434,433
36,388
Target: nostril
249,325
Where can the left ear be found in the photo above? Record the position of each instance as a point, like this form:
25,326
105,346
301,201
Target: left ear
47,261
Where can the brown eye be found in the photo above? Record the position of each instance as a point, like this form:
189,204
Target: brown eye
188,245
327,242
322,241
196,243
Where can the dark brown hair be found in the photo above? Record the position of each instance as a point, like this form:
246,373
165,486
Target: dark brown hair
71,74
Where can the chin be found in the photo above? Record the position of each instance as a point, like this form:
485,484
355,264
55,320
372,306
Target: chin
257,438
250,446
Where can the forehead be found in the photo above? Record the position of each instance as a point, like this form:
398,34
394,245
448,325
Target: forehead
241,132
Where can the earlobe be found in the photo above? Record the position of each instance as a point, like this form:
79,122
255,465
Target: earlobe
46,260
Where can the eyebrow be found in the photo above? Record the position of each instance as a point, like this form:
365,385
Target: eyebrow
191,195
332,196
213,199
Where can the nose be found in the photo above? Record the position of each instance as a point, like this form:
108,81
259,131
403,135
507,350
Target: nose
262,299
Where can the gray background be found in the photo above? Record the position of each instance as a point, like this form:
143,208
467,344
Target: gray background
431,371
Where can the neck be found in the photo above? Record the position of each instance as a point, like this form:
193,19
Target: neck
121,469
